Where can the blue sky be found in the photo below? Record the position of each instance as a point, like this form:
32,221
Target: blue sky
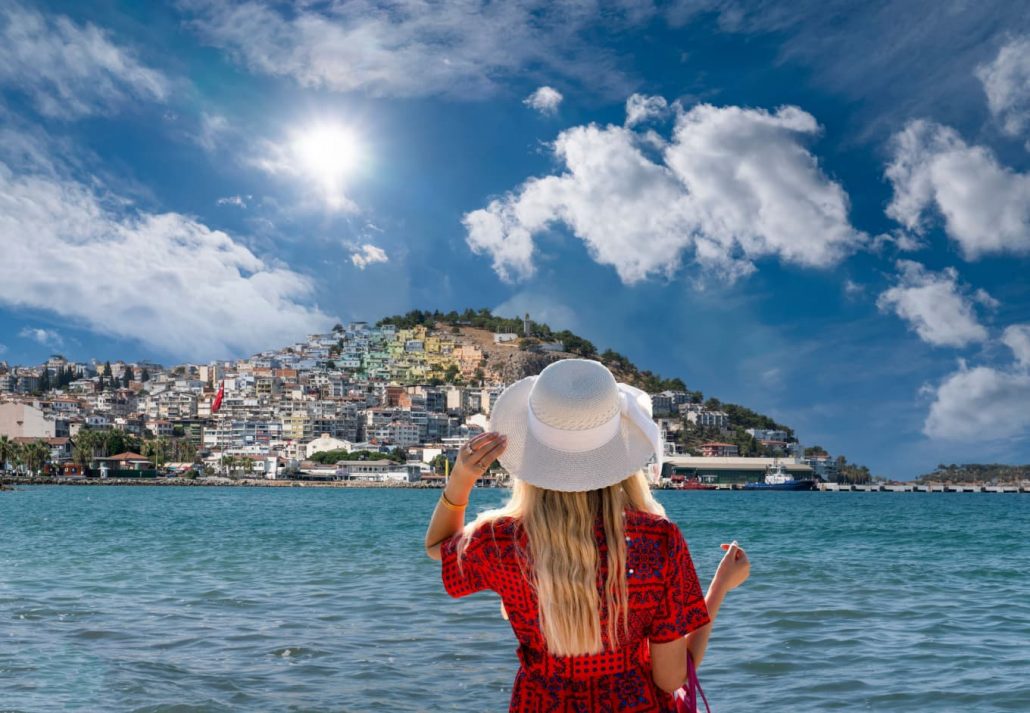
820,210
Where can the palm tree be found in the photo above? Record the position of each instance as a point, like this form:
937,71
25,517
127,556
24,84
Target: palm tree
18,458
87,442
156,449
37,456
6,451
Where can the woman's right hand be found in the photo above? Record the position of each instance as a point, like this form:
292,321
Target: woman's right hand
734,568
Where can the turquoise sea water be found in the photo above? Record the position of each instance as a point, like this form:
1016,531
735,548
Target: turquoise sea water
238,599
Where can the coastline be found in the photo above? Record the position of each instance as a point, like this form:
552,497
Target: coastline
7,482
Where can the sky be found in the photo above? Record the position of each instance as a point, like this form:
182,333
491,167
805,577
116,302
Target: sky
818,209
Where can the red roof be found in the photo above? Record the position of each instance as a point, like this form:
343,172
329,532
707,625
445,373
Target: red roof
127,455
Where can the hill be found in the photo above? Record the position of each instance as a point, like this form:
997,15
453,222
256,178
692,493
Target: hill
977,473
506,363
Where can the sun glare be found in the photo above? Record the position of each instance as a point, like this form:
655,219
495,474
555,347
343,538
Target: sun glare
327,154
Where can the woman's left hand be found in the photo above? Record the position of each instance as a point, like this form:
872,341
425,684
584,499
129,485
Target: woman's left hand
478,454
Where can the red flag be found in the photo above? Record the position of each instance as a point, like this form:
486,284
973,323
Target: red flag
217,404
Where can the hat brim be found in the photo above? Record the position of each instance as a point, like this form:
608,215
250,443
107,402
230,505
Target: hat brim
526,458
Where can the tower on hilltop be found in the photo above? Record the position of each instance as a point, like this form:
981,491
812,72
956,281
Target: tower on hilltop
525,325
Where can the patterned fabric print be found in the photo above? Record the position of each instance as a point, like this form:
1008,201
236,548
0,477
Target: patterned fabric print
665,601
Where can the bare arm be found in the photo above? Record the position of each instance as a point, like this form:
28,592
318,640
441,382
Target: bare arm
733,570
473,460
669,660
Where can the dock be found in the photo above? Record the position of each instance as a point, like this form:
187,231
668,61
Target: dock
1023,487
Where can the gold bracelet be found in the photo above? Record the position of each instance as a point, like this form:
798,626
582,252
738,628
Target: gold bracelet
451,506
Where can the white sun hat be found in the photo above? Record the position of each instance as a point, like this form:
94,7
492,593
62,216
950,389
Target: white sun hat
573,427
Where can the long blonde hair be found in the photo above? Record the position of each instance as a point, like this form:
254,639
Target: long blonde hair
562,561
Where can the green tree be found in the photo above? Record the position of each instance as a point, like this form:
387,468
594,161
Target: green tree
329,457
145,375
575,344
107,370
37,456
85,446
713,404
7,447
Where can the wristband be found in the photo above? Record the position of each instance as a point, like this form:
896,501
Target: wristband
451,506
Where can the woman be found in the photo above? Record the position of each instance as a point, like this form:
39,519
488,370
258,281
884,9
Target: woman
597,584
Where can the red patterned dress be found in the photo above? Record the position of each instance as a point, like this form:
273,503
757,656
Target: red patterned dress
665,601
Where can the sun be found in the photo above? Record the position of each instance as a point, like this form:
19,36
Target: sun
327,154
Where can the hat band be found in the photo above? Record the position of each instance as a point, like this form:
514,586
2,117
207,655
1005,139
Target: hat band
631,405
560,439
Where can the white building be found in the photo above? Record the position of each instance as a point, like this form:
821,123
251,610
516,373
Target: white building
25,421
709,419
325,443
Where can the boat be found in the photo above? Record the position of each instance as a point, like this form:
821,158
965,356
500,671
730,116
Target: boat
695,485
776,478
681,483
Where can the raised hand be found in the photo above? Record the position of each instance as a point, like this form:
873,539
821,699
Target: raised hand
734,568
478,454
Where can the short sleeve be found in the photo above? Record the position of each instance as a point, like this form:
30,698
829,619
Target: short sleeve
471,576
682,608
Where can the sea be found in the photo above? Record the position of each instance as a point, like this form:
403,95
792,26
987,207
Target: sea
306,599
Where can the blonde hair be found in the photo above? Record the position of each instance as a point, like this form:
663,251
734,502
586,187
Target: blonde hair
562,561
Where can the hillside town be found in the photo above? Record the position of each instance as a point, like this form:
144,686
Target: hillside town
372,403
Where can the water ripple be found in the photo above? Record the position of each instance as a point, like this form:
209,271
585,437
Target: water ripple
169,600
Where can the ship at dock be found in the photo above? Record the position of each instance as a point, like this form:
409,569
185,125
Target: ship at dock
776,478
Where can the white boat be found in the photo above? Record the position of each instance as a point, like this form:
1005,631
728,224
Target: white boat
776,478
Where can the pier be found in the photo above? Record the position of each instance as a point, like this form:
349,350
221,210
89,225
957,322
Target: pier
1023,487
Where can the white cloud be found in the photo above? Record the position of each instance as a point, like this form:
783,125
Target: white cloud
461,47
641,108
213,128
46,337
238,201
902,240
985,403
733,185
1006,81
980,404
985,206
772,378
853,289
3,348
71,70
161,278
368,254
935,305
545,100
1017,338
